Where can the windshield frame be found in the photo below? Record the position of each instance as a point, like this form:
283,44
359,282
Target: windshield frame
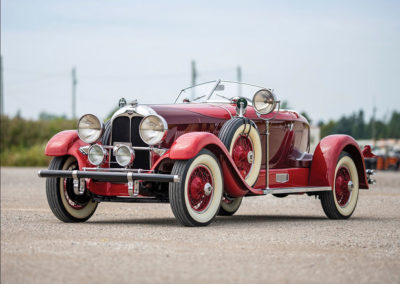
219,81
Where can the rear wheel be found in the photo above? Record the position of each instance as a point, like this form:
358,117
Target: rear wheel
229,206
63,202
196,198
341,202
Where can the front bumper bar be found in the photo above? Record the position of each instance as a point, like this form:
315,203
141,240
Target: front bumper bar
109,176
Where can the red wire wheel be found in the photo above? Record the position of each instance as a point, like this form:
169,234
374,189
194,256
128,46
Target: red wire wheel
341,202
195,200
243,154
200,188
342,191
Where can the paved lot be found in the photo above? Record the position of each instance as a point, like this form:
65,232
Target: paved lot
270,240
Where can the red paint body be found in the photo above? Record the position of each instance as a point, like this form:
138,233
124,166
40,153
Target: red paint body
67,143
193,127
326,156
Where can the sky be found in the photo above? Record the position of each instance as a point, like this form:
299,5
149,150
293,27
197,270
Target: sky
328,58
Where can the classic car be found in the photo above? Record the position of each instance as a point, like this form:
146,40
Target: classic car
219,142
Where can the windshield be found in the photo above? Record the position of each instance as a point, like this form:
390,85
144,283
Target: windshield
217,91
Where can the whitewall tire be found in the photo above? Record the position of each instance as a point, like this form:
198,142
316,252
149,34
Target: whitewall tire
341,202
243,142
195,200
63,202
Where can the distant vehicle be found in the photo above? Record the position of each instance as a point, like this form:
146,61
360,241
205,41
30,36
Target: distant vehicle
385,159
219,142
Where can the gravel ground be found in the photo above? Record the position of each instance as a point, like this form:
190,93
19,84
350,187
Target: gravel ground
269,240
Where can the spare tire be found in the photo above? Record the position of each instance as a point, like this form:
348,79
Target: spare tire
240,136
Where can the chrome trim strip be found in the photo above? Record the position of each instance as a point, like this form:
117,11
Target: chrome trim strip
296,189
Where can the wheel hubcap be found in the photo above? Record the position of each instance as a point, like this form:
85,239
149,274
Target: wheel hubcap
243,155
343,186
200,188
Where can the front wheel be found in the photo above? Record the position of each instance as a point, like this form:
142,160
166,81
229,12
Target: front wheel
341,202
63,202
196,198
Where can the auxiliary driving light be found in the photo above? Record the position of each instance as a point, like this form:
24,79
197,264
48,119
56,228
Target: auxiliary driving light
124,155
97,155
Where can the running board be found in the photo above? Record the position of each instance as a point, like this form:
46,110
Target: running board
288,190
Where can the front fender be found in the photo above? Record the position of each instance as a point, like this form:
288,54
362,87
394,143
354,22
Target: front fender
189,145
326,156
67,143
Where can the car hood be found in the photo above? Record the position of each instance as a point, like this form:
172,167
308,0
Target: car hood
213,113
194,113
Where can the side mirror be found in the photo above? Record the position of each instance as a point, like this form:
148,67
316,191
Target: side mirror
264,101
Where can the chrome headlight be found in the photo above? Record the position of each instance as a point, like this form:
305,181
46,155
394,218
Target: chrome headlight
264,101
90,128
124,155
152,129
97,155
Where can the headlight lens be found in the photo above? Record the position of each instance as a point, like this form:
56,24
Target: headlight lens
124,155
153,129
90,128
264,101
97,155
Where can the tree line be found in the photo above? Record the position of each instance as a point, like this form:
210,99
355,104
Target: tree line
23,141
357,126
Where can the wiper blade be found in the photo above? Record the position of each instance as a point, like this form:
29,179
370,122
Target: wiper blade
229,99
198,98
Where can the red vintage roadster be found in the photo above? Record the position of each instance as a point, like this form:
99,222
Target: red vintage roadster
219,142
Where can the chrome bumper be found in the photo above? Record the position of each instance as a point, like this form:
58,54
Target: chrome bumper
133,179
109,176
370,173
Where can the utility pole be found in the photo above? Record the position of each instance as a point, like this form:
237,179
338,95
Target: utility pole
194,77
1,86
239,79
74,83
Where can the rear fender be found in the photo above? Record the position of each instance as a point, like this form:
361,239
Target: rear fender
67,143
189,145
326,156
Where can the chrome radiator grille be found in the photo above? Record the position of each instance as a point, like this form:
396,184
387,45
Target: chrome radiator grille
126,129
